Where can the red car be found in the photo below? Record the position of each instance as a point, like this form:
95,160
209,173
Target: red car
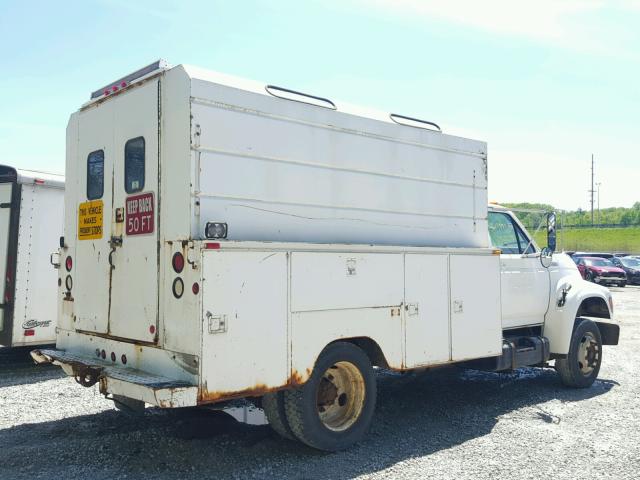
602,271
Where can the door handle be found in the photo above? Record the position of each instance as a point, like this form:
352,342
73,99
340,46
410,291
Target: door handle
114,242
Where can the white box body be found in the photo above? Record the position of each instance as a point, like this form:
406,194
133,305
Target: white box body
341,225
31,220
279,170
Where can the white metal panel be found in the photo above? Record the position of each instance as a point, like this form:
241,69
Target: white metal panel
134,283
6,190
247,291
525,290
329,281
177,316
91,271
311,332
28,177
181,320
476,328
427,309
36,295
279,170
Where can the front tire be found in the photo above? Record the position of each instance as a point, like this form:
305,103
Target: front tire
582,365
333,410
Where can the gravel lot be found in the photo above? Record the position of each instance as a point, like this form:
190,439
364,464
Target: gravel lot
448,424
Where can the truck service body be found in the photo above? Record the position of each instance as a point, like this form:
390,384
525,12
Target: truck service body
31,218
231,239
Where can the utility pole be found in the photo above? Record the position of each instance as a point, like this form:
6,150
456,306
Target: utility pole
598,184
592,191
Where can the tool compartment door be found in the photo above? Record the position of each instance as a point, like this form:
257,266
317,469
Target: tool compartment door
427,334
244,327
6,190
135,262
476,323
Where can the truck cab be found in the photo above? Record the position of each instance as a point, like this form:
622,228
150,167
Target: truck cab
541,290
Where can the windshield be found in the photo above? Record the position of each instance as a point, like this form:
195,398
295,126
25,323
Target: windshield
630,262
598,262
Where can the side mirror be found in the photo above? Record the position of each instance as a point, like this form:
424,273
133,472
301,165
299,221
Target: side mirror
551,231
546,257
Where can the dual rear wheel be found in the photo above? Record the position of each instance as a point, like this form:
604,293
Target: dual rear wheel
334,408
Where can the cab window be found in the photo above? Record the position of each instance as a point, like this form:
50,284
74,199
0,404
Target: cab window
506,235
95,175
134,165
524,242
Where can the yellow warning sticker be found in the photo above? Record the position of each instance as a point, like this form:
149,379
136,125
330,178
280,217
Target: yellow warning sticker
90,220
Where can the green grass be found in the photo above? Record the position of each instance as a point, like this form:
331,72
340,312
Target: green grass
596,239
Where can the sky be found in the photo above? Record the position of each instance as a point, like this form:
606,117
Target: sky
546,84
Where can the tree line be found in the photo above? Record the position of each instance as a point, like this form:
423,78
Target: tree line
614,216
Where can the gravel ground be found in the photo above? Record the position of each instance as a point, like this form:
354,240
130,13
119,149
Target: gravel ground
446,424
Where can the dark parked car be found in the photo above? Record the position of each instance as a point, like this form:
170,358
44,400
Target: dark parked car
602,271
631,267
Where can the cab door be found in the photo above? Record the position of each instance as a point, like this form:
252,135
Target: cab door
134,245
524,280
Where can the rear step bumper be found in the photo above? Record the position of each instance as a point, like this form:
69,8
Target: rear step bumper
157,390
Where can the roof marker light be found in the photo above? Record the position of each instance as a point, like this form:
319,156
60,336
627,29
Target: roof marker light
132,77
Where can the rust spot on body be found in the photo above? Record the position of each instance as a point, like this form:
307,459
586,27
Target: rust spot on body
258,390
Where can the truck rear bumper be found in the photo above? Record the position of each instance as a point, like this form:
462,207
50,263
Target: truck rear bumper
128,382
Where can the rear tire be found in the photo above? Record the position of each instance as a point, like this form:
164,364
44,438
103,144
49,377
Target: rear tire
580,368
273,406
590,277
622,285
334,409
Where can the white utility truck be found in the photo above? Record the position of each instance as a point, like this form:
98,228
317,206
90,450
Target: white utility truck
31,219
230,239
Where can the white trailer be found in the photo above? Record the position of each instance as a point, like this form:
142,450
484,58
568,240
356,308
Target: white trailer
31,219
230,239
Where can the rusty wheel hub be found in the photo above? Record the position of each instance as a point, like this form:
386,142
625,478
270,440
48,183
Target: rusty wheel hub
588,354
340,396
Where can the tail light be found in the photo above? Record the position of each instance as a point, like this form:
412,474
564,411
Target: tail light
178,262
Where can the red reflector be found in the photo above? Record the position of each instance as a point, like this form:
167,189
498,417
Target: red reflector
39,181
152,329
29,333
124,359
195,288
113,357
106,92
212,246
123,84
114,88
68,263
178,262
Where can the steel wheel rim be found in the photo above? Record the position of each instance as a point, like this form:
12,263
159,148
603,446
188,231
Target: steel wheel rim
340,396
588,354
